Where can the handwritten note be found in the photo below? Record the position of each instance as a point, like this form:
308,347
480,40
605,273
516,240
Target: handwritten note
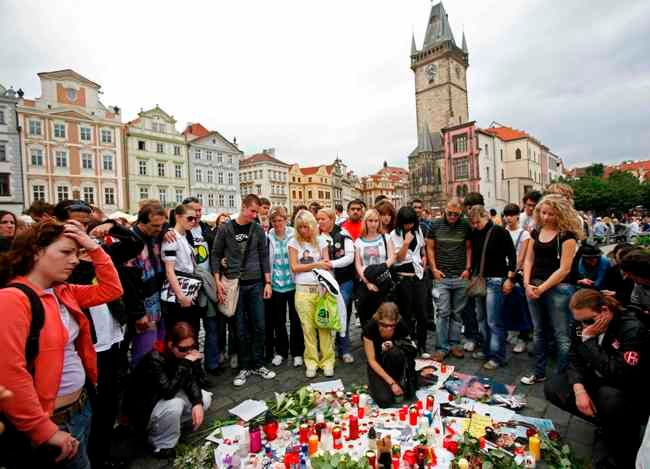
249,409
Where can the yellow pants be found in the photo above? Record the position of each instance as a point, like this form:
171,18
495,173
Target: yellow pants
306,298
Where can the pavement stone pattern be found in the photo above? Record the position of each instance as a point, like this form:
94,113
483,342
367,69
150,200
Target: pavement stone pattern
578,433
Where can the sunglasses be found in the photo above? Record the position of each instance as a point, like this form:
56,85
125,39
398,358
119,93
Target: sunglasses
387,326
191,218
189,348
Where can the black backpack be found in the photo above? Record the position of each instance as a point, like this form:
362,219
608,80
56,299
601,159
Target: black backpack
35,326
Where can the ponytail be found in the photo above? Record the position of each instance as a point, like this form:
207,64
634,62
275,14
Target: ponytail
594,300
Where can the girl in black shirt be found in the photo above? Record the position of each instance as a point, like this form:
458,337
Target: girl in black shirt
547,270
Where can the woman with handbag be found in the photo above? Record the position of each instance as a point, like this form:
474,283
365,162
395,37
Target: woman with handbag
179,292
307,251
494,264
411,292
547,270
371,248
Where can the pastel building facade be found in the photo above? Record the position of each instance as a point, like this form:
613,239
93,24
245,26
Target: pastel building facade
11,184
266,176
157,159
213,169
71,144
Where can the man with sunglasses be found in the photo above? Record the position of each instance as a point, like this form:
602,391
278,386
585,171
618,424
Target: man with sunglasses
449,252
165,392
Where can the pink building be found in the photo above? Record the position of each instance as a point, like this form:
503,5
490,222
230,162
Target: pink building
461,159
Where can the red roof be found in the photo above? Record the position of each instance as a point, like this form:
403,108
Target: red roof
632,166
260,158
506,133
196,130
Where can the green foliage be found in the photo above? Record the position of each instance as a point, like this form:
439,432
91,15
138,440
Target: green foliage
338,461
596,169
620,192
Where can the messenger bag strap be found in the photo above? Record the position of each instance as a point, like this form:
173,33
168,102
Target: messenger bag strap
485,243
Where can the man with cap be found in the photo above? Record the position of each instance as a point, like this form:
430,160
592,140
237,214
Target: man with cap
590,267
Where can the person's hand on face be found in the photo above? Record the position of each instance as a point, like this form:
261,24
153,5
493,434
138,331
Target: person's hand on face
601,321
100,231
408,237
74,230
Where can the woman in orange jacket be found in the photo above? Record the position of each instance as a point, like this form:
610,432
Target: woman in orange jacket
50,407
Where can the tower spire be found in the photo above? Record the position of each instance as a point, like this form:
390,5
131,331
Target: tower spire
414,49
464,46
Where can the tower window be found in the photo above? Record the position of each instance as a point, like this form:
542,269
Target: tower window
517,154
460,143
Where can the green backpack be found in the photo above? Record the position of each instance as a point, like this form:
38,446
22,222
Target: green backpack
327,313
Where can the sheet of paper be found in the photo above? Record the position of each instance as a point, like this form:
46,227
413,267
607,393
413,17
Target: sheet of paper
249,409
222,451
327,386
477,425
442,377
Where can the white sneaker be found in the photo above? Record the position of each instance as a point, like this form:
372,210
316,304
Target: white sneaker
310,373
264,372
328,372
240,379
469,346
348,358
297,362
234,362
277,360
478,355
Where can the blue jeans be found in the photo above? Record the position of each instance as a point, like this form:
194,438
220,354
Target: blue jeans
211,345
489,314
79,427
450,308
251,327
551,315
515,311
343,343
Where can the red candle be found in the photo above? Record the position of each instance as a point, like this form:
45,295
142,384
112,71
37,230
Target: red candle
271,430
409,457
395,462
304,433
354,427
336,436
402,415
430,402
372,459
419,405
355,399
413,416
361,412
443,368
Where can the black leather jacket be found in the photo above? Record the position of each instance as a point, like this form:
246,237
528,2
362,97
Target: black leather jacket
619,360
159,376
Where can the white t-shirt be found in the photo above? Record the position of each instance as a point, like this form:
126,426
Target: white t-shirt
411,256
526,222
307,254
108,330
180,252
372,251
515,235
201,252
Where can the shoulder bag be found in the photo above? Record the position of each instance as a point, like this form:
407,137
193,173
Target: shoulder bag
231,285
190,285
477,286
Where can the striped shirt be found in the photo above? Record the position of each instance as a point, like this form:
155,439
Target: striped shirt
281,276
450,245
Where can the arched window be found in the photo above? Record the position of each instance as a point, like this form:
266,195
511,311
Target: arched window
518,154
459,191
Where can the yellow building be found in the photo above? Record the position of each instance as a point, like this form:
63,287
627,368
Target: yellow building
311,184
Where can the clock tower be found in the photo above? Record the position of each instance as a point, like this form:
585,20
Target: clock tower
440,69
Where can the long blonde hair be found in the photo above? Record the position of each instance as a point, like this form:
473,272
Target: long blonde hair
364,226
306,218
567,219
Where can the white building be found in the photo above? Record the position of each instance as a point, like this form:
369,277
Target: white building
11,187
555,167
490,158
266,176
214,169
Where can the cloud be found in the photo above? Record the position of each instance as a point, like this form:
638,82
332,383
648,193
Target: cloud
318,79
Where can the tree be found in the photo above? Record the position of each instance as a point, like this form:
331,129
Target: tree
596,169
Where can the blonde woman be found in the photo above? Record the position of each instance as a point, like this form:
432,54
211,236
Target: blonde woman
307,252
372,248
546,279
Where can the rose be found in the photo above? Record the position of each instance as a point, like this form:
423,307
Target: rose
553,435
531,432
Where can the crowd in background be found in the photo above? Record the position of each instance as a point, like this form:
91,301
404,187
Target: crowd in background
109,321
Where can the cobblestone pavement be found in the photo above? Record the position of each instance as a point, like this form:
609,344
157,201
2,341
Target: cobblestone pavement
577,432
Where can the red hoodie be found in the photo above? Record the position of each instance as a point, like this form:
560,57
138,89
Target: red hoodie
34,397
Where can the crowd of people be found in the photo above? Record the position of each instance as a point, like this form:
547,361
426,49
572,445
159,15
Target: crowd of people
104,321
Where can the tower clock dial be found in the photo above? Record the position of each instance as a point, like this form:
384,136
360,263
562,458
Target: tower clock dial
431,70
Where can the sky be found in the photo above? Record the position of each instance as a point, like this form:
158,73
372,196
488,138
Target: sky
319,79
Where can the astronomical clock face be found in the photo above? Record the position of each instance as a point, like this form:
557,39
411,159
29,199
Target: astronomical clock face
71,94
431,71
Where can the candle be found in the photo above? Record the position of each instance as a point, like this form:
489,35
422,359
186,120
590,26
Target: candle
402,414
371,456
355,399
304,433
361,412
413,416
419,405
430,401
395,462
336,435
271,430
354,427
313,443
534,447
463,463
256,439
